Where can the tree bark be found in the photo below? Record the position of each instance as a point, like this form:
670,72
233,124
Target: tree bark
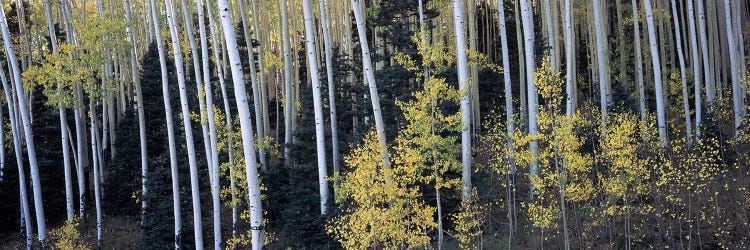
656,61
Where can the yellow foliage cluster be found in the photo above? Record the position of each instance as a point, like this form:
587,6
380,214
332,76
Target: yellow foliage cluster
67,237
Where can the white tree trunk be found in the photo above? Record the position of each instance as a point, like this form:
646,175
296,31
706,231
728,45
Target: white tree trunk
463,80
528,34
702,33
601,57
317,104
695,56
370,79
737,96
18,150
95,165
570,81
63,121
170,129
656,62
288,91
683,77
551,39
638,61
251,168
188,127
335,158
254,83
214,165
28,134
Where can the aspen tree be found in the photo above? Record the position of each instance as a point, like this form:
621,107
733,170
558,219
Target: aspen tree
683,77
188,127
248,142
28,134
656,62
331,88
170,128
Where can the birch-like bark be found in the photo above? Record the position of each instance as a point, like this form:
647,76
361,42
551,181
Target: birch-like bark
570,79
254,83
697,77
248,142
18,150
317,104
63,121
214,165
335,158
656,62
188,127
683,73
601,57
737,96
288,91
533,109
370,79
28,134
170,128
638,61
463,80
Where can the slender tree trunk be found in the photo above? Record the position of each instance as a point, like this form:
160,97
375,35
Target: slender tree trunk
18,150
463,80
510,125
28,134
601,56
683,77
141,112
317,104
737,96
95,166
370,79
708,76
638,61
170,129
214,166
254,82
289,94
523,114
63,121
695,56
528,34
256,209
656,61
569,61
335,158
188,127
262,85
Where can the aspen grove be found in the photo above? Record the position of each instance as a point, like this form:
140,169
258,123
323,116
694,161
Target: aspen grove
374,124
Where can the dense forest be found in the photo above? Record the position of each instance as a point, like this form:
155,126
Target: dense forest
374,124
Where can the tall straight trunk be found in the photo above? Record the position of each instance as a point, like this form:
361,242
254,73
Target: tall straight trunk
370,79
141,112
656,62
28,134
63,121
248,142
696,67
18,150
509,124
601,57
522,64
170,128
214,165
317,104
262,86
254,83
188,127
569,62
227,114
335,158
683,73
463,80
289,94
638,61
737,96
551,39
533,109
95,165
708,76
